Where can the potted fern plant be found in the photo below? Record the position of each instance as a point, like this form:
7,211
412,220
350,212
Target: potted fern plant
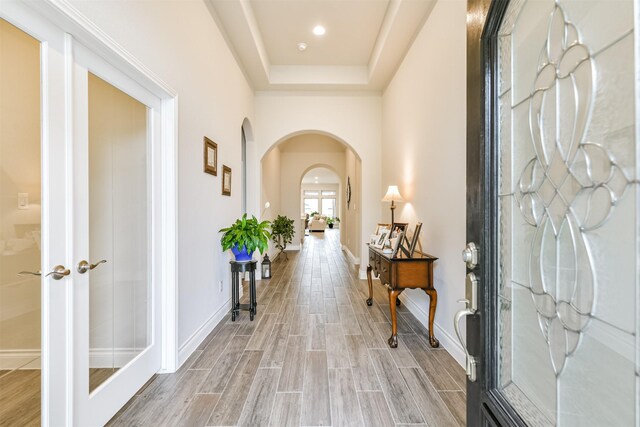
282,232
245,236
331,221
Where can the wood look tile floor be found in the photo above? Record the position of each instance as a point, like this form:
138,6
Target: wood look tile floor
315,355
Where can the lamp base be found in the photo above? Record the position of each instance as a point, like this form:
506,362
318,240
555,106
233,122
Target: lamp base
393,208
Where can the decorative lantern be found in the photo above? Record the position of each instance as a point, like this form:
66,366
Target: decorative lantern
266,267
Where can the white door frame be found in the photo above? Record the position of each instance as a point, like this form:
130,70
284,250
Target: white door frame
43,20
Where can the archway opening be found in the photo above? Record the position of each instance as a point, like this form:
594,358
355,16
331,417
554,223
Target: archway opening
286,173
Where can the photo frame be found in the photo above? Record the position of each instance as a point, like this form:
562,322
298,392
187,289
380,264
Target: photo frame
415,239
380,239
210,157
382,226
384,235
226,180
396,244
401,225
398,227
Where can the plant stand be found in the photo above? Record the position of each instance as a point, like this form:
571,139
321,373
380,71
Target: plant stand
236,269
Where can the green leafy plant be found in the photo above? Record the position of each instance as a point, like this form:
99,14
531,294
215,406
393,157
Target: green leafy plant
332,220
314,213
247,232
282,232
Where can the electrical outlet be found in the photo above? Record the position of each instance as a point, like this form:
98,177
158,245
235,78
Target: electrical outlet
220,286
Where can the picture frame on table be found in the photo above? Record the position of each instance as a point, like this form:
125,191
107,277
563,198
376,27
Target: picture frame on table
226,180
382,226
415,239
397,227
395,244
381,238
210,157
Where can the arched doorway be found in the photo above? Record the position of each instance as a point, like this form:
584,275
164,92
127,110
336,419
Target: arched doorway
286,163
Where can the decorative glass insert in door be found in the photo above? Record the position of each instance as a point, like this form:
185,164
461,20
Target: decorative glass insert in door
20,227
568,213
119,290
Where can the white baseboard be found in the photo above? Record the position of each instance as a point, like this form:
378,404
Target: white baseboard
98,358
198,336
112,357
292,248
352,258
363,274
19,359
450,343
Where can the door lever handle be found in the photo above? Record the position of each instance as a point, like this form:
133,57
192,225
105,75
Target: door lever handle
84,266
59,271
472,362
30,273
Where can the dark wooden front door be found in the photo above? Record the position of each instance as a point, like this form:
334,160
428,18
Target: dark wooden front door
553,200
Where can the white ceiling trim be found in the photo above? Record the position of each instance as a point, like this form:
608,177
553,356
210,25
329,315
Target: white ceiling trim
252,24
401,24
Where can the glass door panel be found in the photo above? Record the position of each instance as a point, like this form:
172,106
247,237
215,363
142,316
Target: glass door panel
119,302
20,227
568,210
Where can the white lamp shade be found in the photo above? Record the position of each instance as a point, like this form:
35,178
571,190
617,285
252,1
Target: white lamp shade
393,195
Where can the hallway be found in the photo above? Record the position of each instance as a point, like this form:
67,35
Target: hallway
315,355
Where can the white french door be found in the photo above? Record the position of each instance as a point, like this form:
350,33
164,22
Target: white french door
103,219
116,334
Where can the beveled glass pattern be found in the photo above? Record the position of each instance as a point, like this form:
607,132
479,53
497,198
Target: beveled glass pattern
568,228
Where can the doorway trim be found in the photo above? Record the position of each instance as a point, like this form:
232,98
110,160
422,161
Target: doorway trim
37,17
69,19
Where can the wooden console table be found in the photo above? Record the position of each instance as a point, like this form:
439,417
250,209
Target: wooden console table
398,274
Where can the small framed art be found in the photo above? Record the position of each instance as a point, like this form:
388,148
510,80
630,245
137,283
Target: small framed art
415,240
382,226
210,157
226,180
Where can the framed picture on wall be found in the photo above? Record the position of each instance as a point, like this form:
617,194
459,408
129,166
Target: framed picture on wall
210,157
226,180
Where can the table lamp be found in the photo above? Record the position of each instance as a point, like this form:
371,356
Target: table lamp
393,195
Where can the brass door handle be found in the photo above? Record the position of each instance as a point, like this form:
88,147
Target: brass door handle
84,266
30,273
59,271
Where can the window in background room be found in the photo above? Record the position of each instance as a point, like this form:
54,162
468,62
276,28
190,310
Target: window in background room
328,206
310,205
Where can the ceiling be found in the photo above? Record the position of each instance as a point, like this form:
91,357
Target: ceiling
365,40
323,175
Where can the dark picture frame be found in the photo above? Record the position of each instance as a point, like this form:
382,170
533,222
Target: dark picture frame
415,238
210,157
226,180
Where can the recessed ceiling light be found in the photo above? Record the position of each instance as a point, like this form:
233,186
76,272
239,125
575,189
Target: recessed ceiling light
319,30
315,177
302,47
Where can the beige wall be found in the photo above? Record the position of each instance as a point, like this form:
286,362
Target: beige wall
271,171
423,144
351,232
19,173
180,42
